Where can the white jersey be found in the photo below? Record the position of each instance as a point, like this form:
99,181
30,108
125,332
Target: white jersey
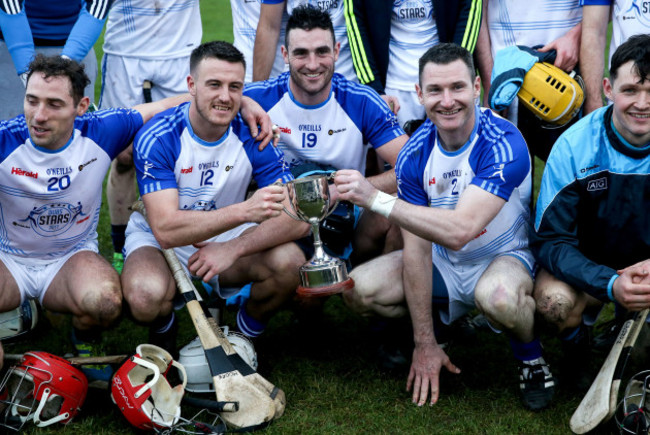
50,200
530,23
153,29
332,133
412,32
495,159
336,10
207,175
245,15
629,18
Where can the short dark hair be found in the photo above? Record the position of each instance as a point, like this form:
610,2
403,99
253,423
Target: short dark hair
57,66
308,17
444,54
221,50
636,49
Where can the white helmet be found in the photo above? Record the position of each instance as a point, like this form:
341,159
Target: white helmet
192,357
20,321
632,411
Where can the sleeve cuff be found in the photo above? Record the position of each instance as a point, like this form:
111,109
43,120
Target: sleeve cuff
610,288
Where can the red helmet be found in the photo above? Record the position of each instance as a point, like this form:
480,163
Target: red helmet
142,392
43,388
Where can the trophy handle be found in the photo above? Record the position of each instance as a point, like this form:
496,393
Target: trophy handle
336,203
291,215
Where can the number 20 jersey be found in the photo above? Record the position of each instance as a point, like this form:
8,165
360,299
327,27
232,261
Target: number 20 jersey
334,132
50,200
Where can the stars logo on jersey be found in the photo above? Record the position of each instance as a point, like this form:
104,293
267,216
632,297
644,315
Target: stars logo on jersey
147,167
498,171
53,219
201,205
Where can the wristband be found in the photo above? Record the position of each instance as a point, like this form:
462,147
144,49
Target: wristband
610,288
383,203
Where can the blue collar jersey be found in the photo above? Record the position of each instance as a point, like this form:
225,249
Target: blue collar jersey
50,200
334,132
495,159
208,175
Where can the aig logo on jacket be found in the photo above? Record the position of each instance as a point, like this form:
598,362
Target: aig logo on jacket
599,184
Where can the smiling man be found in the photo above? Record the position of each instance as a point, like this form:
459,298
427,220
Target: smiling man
194,164
53,161
327,123
464,193
592,210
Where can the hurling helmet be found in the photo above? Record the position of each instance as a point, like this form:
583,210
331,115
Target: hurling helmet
192,357
18,322
552,95
141,389
42,388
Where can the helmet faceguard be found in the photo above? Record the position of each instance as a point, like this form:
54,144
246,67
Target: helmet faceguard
42,388
633,412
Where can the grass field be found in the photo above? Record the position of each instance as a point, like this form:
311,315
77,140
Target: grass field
328,370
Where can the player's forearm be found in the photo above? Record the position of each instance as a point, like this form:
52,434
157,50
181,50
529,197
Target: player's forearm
442,226
266,40
417,281
386,182
148,110
592,54
483,55
185,227
270,233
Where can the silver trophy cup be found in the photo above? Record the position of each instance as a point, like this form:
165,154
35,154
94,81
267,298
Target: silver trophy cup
322,275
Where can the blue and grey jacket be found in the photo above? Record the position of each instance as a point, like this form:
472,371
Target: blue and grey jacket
593,209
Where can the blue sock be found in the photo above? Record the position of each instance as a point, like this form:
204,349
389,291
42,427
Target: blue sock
526,351
247,325
118,236
571,334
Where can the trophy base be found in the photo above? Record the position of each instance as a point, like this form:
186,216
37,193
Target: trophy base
326,290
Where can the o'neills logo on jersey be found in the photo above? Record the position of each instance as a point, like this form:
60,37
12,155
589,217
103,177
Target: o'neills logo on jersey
208,165
452,174
285,130
187,170
59,171
309,127
53,219
18,171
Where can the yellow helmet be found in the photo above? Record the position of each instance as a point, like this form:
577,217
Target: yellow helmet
552,95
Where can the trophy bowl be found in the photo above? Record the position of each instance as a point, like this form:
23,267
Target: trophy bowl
322,275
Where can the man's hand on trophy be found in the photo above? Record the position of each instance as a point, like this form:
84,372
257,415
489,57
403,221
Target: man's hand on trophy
211,259
265,203
353,187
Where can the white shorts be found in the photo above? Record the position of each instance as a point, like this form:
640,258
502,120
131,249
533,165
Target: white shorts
122,79
139,234
410,107
460,281
12,89
34,276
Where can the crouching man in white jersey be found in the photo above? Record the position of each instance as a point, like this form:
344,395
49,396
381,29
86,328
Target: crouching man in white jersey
194,164
327,123
53,160
464,190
